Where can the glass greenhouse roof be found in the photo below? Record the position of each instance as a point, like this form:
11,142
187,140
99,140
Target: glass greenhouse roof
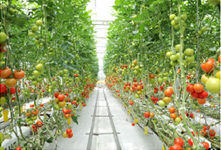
101,15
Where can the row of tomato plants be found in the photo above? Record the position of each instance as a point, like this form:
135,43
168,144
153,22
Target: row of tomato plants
163,66
160,103
46,47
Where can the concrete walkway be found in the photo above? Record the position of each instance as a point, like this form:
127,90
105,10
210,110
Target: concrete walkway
130,137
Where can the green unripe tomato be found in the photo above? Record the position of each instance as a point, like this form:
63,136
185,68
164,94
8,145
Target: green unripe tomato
37,42
41,44
203,29
60,72
176,19
173,63
39,67
177,27
168,54
190,58
189,51
36,73
34,82
3,37
160,80
178,120
39,23
173,58
177,47
172,16
2,100
161,103
135,72
173,23
31,34
1,109
137,96
165,78
184,16
34,28
69,106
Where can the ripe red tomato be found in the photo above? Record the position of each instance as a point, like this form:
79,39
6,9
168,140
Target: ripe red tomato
18,74
203,94
67,115
4,74
3,88
61,97
42,105
205,145
193,133
172,109
190,141
12,90
68,131
168,92
206,127
176,147
74,102
39,123
198,87
191,115
70,135
65,110
212,132
195,95
146,114
56,94
131,103
66,94
18,148
35,112
207,67
201,100
179,141
133,124
190,88
219,58
173,115
34,127
69,110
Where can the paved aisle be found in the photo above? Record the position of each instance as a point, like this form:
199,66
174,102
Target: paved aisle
130,138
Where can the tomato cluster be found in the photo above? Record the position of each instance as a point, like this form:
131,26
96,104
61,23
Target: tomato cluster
37,125
197,91
68,133
212,83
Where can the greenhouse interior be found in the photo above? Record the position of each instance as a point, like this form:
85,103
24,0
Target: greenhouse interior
110,74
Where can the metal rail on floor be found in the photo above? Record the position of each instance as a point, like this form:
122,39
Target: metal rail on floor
111,121
92,125
112,124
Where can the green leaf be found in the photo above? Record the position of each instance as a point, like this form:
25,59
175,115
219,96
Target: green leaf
74,118
151,8
138,18
145,13
49,140
141,27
